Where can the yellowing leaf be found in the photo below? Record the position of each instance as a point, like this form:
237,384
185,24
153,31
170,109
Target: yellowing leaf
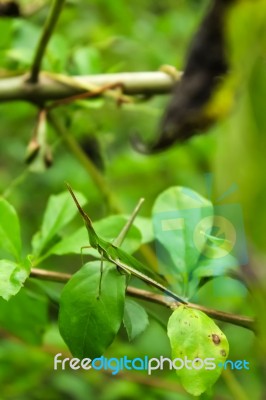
199,347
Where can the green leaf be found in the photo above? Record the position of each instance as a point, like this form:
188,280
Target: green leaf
195,337
135,320
224,293
146,229
89,324
72,244
25,315
10,240
211,268
107,228
110,227
59,211
208,268
180,215
12,277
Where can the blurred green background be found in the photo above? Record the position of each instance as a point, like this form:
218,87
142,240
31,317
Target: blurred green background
95,37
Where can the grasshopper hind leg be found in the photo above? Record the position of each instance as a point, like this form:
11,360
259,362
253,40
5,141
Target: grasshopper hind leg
101,268
123,271
101,277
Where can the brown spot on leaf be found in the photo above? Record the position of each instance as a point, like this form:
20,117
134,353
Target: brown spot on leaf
215,338
223,353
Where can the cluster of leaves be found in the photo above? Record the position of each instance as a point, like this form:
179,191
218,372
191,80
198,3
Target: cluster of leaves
104,41
88,323
92,39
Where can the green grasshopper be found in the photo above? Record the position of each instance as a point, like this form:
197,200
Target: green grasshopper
117,256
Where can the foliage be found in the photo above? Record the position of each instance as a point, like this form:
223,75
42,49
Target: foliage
39,227
90,315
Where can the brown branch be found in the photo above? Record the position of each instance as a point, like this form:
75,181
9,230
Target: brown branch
245,322
49,275
239,320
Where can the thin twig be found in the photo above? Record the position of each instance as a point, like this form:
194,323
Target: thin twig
239,320
98,179
49,275
119,239
44,39
245,322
